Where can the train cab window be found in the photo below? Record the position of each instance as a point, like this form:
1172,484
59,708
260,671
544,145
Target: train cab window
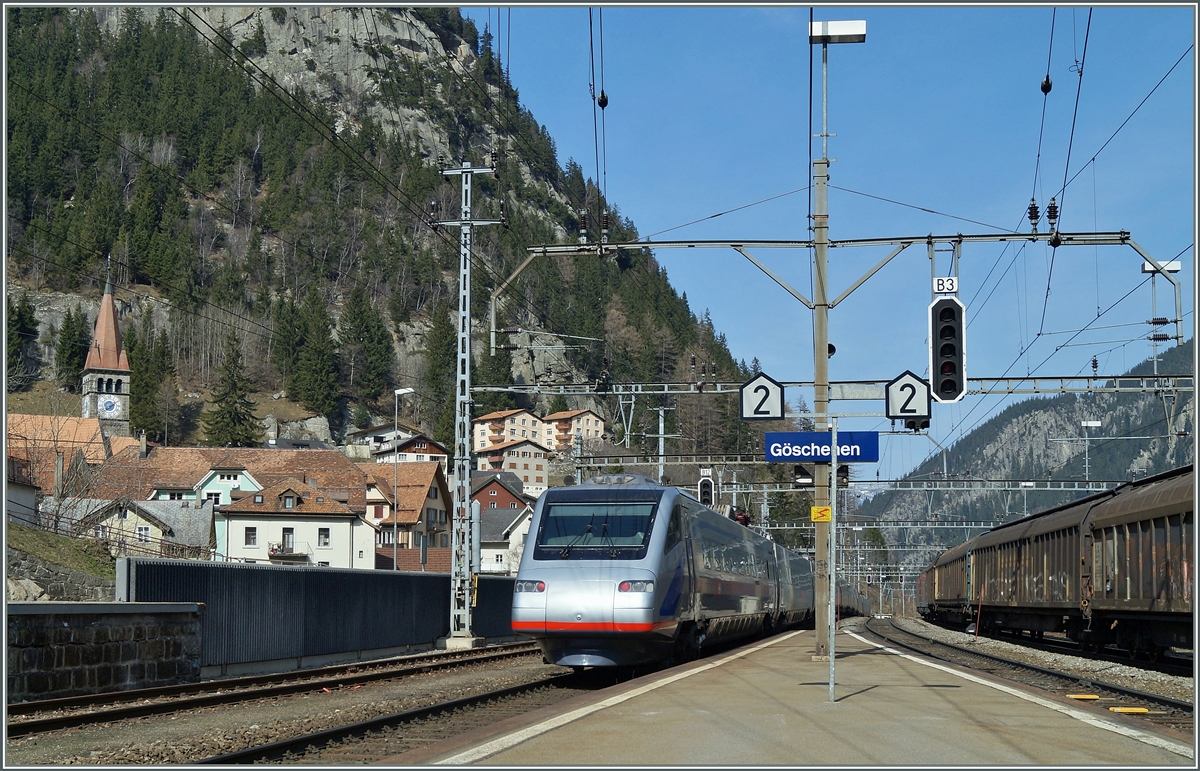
607,528
674,529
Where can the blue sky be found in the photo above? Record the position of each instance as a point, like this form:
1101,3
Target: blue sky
941,109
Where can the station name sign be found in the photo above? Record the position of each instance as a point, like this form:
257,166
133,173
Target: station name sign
815,447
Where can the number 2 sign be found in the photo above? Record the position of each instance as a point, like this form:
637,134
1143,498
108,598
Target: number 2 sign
761,398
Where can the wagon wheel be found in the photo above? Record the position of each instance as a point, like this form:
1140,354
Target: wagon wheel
1154,653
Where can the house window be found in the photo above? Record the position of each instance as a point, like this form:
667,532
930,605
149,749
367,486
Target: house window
526,478
289,539
537,455
174,496
252,536
433,492
378,511
512,432
421,445
143,533
538,466
445,541
491,492
512,465
227,477
526,467
123,514
420,458
512,505
214,497
500,558
522,421
320,499
288,502
258,499
101,531
323,564
322,536
522,432
513,421
539,479
492,505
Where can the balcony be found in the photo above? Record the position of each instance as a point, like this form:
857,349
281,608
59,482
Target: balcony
288,553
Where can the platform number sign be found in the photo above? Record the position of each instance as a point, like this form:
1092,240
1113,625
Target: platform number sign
761,398
907,398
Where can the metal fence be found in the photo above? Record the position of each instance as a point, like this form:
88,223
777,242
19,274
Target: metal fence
267,612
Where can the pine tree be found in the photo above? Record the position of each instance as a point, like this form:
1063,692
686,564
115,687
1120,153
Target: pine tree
74,339
441,344
289,339
232,423
366,346
317,377
23,358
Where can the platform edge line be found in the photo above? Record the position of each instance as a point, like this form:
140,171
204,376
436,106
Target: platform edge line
1133,733
511,740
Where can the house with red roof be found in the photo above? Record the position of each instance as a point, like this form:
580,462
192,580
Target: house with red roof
507,426
294,523
524,457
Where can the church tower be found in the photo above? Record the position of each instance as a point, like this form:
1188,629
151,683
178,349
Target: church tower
106,372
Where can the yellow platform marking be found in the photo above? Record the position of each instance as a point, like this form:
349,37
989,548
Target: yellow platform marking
1134,710
1082,696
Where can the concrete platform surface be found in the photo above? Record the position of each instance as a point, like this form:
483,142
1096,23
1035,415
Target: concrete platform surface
767,704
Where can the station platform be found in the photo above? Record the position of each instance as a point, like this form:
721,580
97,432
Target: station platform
768,704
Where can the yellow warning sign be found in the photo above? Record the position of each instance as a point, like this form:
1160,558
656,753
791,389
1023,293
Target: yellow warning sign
821,513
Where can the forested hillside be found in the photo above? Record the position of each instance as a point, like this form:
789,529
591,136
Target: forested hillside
270,172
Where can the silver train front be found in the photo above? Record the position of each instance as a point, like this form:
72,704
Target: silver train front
621,571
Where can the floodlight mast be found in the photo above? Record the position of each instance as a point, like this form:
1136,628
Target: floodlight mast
824,32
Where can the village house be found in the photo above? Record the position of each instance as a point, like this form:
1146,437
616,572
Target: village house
423,504
525,458
294,523
573,426
507,426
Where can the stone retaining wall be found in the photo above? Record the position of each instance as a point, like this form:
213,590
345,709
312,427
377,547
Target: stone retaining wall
59,584
60,649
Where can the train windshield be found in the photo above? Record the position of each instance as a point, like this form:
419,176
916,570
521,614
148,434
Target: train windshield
599,530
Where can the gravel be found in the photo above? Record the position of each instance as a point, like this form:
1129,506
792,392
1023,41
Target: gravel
1181,688
192,736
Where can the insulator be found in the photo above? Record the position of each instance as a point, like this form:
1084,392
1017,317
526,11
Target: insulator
511,330
508,346
1095,365
603,100
1047,84
1159,337
1033,214
693,361
495,159
1052,213
1159,321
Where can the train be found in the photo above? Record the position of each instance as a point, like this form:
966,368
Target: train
1113,569
621,571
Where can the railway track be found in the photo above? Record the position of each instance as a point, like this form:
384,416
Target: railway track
1167,664
383,737
27,718
1158,710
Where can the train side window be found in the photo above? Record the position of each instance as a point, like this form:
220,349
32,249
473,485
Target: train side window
674,529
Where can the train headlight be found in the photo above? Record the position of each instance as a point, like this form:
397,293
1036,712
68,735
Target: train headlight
531,586
635,586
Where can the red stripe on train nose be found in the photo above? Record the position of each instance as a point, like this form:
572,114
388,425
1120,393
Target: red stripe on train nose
585,626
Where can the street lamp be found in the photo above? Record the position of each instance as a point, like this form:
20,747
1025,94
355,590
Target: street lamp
824,32
396,471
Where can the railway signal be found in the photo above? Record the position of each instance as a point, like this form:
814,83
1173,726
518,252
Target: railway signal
947,349
706,491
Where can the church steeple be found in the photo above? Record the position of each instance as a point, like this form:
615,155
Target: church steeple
106,371
106,351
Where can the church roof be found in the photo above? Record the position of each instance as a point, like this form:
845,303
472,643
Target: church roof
106,351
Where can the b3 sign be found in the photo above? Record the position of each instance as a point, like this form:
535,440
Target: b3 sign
815,446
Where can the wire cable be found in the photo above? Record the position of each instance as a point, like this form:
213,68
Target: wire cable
1062,204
